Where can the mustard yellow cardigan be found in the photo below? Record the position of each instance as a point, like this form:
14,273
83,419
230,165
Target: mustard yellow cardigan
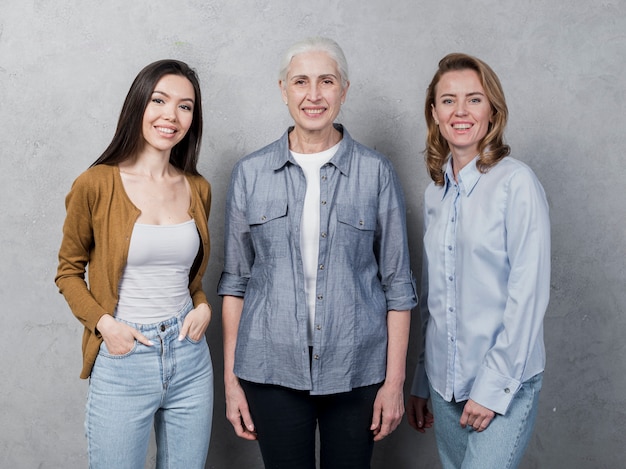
97,230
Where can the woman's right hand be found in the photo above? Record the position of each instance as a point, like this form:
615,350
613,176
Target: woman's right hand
420,418
119,337
237,410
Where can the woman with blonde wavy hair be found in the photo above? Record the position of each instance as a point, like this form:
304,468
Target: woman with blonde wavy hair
486,276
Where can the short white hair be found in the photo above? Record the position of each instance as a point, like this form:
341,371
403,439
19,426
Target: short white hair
316,44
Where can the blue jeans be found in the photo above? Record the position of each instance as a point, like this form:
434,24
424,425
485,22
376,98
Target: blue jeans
500,446
168,385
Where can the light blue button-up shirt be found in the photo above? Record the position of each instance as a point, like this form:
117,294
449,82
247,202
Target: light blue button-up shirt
485,285
363,268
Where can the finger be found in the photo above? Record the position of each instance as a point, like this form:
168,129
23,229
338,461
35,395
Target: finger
185,329
142,338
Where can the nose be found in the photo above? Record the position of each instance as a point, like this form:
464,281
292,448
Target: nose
313,92
169,112
460,109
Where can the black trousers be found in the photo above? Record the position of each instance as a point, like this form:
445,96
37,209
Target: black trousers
286,420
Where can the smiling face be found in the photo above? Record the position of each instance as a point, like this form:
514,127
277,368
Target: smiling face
313,91
462,111
169,113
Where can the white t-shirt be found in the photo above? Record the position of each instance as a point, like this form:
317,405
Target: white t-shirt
311,164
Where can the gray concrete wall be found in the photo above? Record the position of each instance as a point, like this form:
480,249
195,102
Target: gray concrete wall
65,67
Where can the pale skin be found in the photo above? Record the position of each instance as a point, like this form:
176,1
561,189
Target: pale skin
160,191
463,113
314,92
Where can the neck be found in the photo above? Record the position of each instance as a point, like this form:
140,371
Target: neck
459,161
303,141
155,165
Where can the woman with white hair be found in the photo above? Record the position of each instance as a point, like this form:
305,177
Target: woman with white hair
316,286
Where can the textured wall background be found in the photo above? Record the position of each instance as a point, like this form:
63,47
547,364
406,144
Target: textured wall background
66,66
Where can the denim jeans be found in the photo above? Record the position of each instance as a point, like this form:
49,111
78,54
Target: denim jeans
168,385
286,419
500,446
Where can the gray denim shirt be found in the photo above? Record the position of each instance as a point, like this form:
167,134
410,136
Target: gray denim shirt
363,268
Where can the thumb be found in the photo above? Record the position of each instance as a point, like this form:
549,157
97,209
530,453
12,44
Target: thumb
142,338
376,418
184,330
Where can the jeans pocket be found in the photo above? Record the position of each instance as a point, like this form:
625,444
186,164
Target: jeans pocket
104,351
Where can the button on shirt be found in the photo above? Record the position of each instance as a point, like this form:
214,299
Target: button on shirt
486,284
363,268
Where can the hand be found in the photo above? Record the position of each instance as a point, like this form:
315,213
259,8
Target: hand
119,337
237,411
388,411
476,416
420,418
196,322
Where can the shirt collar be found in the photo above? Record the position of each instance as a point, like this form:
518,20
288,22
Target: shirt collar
341,159
468,177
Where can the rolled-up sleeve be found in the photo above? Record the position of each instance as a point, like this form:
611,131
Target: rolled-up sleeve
238,249
392,245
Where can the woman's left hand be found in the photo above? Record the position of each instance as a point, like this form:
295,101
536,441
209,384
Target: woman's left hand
476,416
388,410
196,322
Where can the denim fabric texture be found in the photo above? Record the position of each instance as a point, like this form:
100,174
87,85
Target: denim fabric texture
168,385
500,446
363,268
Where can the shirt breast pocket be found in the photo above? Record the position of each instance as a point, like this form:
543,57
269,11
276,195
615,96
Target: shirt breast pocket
268,228
356,226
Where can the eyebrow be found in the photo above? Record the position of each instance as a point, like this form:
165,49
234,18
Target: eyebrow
168,96
473,93
325,75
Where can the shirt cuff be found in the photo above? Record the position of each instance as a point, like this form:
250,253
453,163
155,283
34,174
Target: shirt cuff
401,297
232,285
494,390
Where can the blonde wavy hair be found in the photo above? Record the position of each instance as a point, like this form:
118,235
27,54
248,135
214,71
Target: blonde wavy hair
491,148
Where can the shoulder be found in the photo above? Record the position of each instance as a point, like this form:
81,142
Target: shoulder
517,176
199,182
513,167
370,158
263,155
95,179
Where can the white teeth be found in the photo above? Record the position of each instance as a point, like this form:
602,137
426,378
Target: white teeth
461,126
165,131
313,111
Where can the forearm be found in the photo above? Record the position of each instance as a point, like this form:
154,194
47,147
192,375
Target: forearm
398,328
232,306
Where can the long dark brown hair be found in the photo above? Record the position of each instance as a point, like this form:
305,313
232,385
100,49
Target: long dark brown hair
128,139
491,148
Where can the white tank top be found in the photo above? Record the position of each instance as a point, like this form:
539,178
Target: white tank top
155,283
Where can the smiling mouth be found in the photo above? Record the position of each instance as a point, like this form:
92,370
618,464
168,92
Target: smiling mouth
313,111
165,130
461,126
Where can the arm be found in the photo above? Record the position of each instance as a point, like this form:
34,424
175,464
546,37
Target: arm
389,402
527,292
198,319
74,255
237,411
420,418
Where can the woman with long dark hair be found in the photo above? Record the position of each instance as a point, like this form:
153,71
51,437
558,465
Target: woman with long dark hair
137,225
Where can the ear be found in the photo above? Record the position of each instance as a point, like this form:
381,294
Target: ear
433,112
344,92
283,91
